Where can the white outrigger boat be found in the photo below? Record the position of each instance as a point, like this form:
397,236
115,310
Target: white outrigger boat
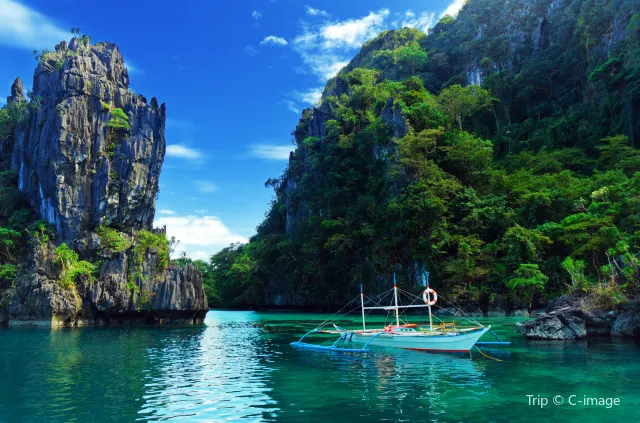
443,337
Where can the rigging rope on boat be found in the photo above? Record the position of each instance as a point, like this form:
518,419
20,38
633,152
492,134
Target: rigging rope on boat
418,298
343,307
377,304
462,314
378,296
452,305
404,310
493,358
353,309
388,308
374,302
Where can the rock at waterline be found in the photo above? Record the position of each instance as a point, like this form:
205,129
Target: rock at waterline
627,323
568,326
577,316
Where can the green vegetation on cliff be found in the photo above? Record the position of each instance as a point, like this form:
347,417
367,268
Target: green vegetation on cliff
112,240
16,217
72,266
523,187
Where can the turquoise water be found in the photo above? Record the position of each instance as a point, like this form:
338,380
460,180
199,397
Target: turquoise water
240,367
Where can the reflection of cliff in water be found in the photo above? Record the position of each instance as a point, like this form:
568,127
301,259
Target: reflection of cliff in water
82,373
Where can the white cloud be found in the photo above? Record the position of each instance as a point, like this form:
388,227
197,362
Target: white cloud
315,12
310,97
250,50
326,48
206,186
271,152
354,32
133,69
256,15
23,27
453,8
422,22
166,211
183,152
200,255
291,105
204,231
301,99
273,40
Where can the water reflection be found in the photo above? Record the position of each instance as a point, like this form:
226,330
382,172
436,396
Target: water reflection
216,375
72,374
241,367
384,385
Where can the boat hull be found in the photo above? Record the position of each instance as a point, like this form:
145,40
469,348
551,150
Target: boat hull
459,342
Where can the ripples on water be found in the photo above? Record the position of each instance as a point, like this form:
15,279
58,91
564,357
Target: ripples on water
219,373
240,367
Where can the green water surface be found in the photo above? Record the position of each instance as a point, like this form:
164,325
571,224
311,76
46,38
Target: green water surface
240,367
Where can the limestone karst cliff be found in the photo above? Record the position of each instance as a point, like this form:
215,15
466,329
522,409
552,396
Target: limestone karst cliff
91,174
497,151
88,152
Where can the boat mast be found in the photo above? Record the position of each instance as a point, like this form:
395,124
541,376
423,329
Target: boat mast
362,304
395,294
430,318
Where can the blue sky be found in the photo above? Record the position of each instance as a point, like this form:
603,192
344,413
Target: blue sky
235,77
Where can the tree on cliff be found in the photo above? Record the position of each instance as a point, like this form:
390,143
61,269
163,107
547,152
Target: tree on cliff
461,102
528,280
411,57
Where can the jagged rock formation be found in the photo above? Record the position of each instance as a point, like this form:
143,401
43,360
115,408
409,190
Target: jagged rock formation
80,171
627,322
172,296
76,170
17,91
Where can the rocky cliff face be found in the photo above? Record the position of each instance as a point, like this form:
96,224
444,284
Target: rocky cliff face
172,296
89,156
77,171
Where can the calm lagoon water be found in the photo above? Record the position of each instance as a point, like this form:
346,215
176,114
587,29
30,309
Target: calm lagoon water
240,367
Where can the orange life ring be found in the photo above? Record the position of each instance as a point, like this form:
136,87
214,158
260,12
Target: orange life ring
427,300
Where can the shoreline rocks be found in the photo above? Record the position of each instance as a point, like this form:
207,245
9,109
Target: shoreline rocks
577,316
